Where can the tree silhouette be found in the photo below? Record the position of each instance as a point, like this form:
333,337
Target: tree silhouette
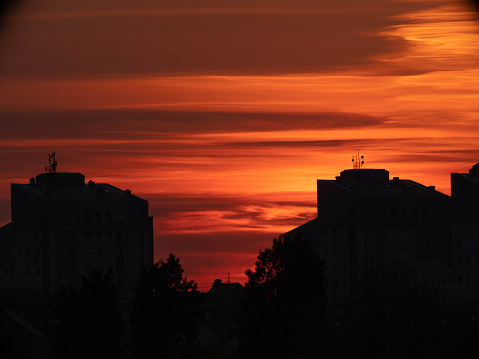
11,348
90,322
165,309
283,314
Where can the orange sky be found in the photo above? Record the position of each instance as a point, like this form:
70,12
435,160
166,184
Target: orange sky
223,114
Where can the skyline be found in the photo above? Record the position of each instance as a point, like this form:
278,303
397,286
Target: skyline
223,115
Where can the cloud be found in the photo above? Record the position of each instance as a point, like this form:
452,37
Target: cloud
218,212
252,38
136,124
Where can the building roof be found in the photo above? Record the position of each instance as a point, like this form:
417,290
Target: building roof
471,177
306,231
375,183
72,187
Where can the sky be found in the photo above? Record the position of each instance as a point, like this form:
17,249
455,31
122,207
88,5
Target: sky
223,114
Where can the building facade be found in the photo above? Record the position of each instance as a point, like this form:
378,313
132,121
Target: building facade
465,199
365,218
63,228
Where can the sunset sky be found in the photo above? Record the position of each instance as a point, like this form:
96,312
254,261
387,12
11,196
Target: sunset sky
222,113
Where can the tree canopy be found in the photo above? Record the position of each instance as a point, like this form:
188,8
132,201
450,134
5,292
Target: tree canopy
283,314
90,322
165,309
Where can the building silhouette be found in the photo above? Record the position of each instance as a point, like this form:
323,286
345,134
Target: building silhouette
465,200
364,218
218,326
63,228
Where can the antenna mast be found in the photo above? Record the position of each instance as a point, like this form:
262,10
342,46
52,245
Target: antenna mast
358,162
52,163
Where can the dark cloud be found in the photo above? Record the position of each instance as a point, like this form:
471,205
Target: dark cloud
7,10
439,157
106,8
145,124
261,37
169,203
208,221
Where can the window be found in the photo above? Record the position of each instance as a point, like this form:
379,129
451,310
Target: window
352,214
118,217
395,214
334,214
87,217
414,212
98,218
88,256
425,214
119,239
395,247
109,218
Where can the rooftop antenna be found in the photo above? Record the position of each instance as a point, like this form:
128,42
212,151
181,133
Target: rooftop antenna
228,277
358,162
52,163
